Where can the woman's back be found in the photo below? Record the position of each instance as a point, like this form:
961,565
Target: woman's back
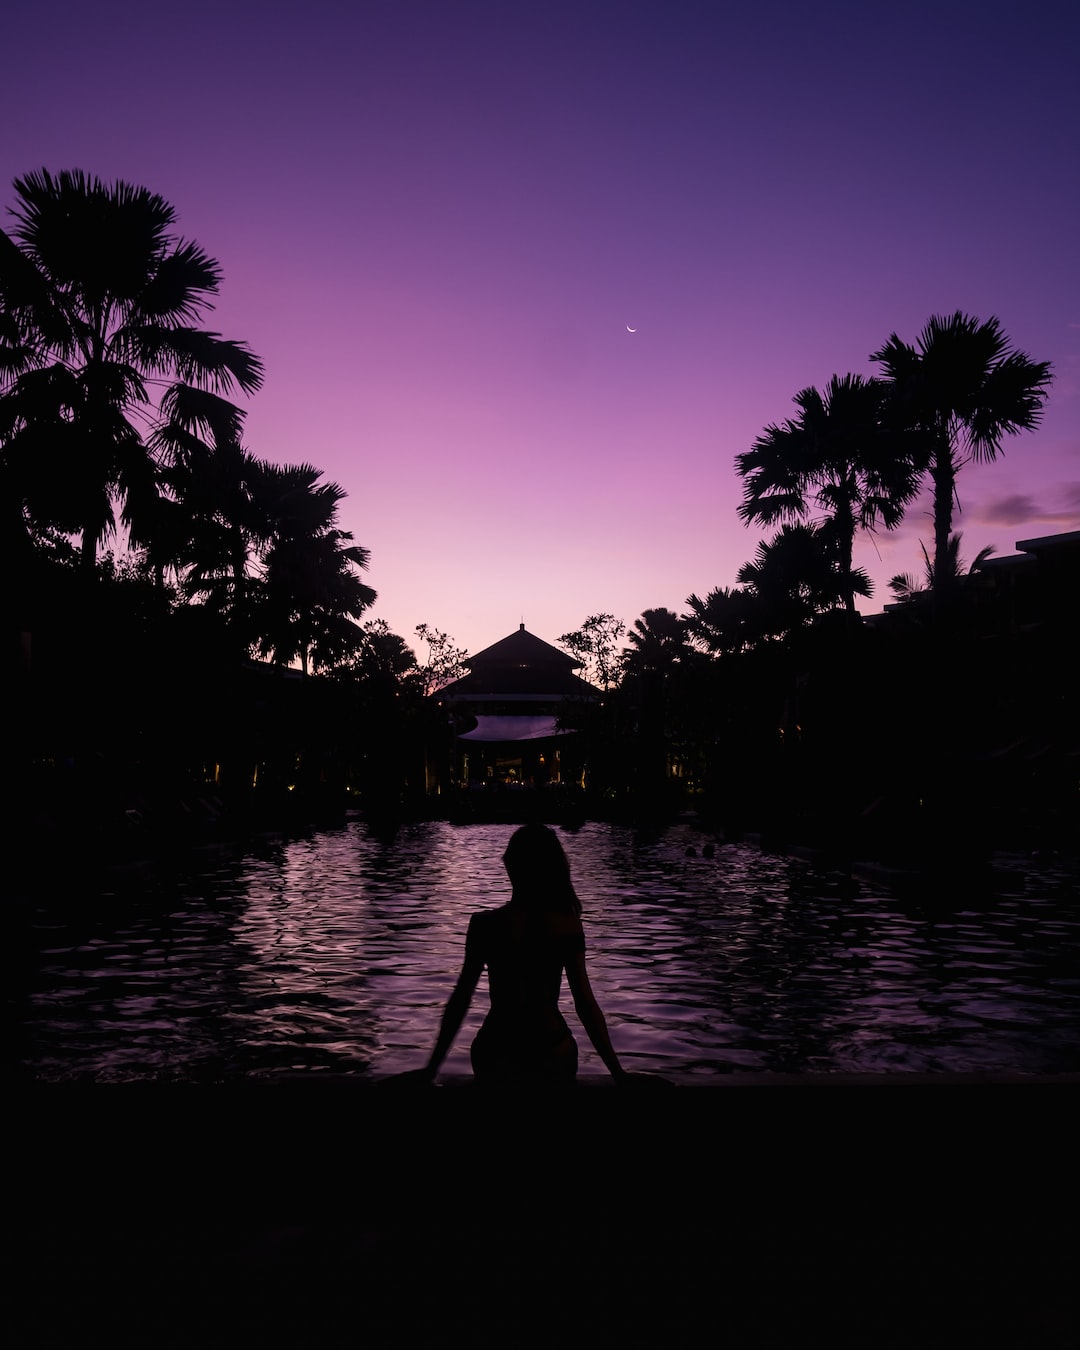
525,952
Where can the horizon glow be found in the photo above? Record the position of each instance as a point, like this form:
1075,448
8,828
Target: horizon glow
437,223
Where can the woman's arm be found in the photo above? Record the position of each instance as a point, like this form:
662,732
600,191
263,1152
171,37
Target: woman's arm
592,1019
456,1008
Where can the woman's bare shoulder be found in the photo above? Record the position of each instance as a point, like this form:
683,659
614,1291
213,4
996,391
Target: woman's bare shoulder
484,918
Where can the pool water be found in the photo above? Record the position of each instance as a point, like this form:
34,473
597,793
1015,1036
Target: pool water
335,953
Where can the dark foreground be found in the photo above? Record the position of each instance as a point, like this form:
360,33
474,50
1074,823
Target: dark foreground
841,1214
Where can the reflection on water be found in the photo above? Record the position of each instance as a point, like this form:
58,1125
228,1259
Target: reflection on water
337,953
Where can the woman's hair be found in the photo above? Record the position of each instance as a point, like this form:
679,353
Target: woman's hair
538,870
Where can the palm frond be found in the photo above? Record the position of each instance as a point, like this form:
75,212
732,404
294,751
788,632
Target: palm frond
202,411
904,585
179,289
204,359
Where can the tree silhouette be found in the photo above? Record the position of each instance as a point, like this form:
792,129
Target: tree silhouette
204,523
957,392
794,579
99,304
657,651
726,622
309,592
595,644
905,586
837,458
444,661
658,641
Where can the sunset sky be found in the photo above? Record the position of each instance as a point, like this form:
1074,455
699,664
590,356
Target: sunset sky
438,220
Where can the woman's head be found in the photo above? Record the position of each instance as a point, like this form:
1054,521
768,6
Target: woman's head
538,870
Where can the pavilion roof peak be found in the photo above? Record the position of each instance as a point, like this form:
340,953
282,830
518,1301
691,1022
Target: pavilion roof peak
522,648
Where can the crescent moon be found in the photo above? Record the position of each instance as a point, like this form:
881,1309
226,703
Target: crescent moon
630,330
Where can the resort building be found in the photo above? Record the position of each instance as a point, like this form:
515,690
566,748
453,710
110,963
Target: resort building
514,716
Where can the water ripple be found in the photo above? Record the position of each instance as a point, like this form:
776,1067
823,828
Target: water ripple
336,953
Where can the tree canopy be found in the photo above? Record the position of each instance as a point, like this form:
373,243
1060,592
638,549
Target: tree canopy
100,341
956,393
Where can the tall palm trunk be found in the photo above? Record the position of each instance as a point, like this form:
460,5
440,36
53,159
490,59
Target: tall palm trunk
844,527
88,553
943,478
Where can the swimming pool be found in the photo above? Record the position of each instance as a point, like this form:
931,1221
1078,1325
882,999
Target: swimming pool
334,954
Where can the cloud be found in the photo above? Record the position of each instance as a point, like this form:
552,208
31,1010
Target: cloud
1015,509
1018,508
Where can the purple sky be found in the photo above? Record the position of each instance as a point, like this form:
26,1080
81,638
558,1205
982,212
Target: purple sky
436,221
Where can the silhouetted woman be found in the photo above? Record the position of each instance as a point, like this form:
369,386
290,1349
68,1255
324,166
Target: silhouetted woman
526,945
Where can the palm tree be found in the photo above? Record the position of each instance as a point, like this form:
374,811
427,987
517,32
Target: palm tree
657,642
657,653
957,393
837,457
795,579
724,623
310,593
100,304
205,522
905,586
385,659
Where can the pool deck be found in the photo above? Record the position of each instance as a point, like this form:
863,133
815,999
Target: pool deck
278,1212
722,1082
320,1084
387,1085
